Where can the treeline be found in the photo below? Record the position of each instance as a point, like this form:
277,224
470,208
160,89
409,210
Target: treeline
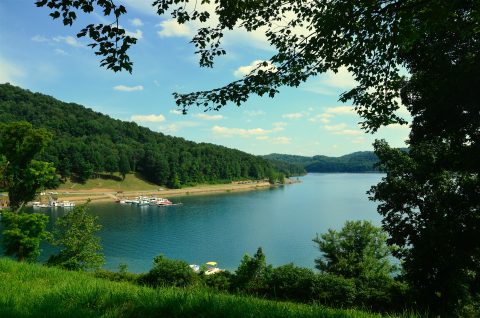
286,168
362,161
87,143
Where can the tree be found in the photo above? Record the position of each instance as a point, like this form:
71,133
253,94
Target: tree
22,175
169,272
23,234
358,250
250,274
432,212
75,234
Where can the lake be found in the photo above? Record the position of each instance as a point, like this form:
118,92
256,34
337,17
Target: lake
223,227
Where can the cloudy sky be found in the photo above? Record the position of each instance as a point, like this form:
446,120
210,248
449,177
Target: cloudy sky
42,55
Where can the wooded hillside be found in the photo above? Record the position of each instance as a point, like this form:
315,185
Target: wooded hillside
87,143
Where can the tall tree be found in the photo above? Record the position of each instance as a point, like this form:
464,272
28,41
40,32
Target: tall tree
432,212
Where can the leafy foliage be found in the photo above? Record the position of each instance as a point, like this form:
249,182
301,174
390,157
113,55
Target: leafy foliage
168,272
87,143
431,209
250,274
22,175
358,250
75,233
111,40
23,233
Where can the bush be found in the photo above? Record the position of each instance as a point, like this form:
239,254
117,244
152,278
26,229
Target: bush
250,276
219,281
291,283
169,272
333,290
116,276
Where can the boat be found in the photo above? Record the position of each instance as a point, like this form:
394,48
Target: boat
195,268
67,204
162,202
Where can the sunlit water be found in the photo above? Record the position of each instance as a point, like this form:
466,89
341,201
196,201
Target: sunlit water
224,227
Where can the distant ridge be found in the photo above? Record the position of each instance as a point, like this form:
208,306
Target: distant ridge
361,161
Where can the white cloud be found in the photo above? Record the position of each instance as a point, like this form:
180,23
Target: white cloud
136,22
10,71
175,112
348,132
40,38
358,140
171,28
342,79
208,117
143,6
230,132
70,40
148,118
335,127
173,128
247,69
138,34
254,113
60,52
282,140
328,83
398,127
322,118
262,138
341,110
293,115
124,88
279,124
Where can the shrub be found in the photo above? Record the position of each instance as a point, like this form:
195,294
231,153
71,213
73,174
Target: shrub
219,281
291,283
169,272
333,290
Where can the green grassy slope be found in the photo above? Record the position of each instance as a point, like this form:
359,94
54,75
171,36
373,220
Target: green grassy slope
31,290
131,183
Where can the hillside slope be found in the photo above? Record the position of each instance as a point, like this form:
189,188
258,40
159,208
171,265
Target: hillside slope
31,290
87,143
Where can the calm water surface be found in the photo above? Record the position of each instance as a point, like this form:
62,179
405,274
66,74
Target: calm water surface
224,227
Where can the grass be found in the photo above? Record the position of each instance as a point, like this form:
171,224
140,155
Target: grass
32,290
131,183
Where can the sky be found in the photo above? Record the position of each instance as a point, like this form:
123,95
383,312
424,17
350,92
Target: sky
42,55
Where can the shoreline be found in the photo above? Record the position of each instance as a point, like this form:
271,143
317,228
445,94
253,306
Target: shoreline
110,195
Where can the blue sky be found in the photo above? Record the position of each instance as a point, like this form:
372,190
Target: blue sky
42,55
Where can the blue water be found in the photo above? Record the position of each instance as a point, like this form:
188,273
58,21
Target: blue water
222,228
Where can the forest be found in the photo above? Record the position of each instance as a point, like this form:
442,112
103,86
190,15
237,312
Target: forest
88,143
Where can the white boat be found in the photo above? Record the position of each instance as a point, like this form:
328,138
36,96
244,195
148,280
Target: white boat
195,268
67,204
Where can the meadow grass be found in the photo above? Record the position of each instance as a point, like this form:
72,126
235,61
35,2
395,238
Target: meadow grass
32,290
131,183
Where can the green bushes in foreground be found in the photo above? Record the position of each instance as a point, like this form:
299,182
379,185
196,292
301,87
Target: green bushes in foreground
29,290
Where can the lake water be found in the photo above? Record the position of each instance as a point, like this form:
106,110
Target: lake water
222,228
